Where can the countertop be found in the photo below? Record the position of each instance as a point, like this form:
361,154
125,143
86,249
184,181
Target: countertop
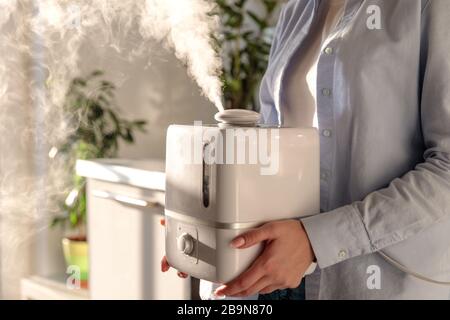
50,288
148,174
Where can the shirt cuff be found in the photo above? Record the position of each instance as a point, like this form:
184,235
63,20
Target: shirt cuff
337,235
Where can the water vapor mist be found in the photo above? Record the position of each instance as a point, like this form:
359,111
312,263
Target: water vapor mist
40,42
187,26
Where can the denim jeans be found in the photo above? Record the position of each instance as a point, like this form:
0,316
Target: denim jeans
286,294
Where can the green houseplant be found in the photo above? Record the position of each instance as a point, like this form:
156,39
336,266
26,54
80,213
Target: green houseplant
244,41
98,127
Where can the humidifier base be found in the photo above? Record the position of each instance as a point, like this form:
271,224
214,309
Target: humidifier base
203,251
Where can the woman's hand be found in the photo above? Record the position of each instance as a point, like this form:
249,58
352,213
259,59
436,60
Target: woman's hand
286,257
165,266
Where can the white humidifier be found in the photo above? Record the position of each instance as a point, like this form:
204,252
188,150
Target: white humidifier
226,179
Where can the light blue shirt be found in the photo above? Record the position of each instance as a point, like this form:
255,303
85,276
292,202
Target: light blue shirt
383,105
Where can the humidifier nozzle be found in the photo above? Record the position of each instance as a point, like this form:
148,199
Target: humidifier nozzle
238,117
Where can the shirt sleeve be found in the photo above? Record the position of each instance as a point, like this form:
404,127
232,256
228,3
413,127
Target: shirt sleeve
421,198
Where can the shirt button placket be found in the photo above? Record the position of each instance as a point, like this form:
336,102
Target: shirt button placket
326,92
329,50
325,112
327,133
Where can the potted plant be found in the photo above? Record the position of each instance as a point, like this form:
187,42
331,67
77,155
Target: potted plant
90,107
244,42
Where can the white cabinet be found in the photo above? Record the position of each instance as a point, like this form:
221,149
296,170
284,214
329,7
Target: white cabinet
126,243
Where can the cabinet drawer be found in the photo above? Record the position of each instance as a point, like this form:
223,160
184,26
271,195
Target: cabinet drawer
126,243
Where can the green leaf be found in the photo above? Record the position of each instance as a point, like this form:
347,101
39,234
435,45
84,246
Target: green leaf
96,112
106,85
270,5
59,220
140,123
260,22
240,3
97,73
235,20
128,136
79,82
73,218
234,84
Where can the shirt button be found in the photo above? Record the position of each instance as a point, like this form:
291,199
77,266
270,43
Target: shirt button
326,133
342,254
329,50
326,92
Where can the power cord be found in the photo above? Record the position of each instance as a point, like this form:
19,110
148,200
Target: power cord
419,276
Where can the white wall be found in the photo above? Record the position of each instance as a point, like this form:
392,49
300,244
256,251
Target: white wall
163,95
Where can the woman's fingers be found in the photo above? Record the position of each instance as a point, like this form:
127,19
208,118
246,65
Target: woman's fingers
253,237
286,256
256,288
245,281
269,289
165,266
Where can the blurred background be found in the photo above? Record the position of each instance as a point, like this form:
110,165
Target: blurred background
105,93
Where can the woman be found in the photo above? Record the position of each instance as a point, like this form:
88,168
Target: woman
374,78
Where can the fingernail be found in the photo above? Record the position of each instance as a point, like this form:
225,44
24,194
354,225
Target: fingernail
238,242
218,292
219,296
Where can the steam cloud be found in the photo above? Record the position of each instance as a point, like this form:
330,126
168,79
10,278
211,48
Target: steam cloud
40,42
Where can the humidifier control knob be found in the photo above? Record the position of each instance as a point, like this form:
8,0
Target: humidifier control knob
185,243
